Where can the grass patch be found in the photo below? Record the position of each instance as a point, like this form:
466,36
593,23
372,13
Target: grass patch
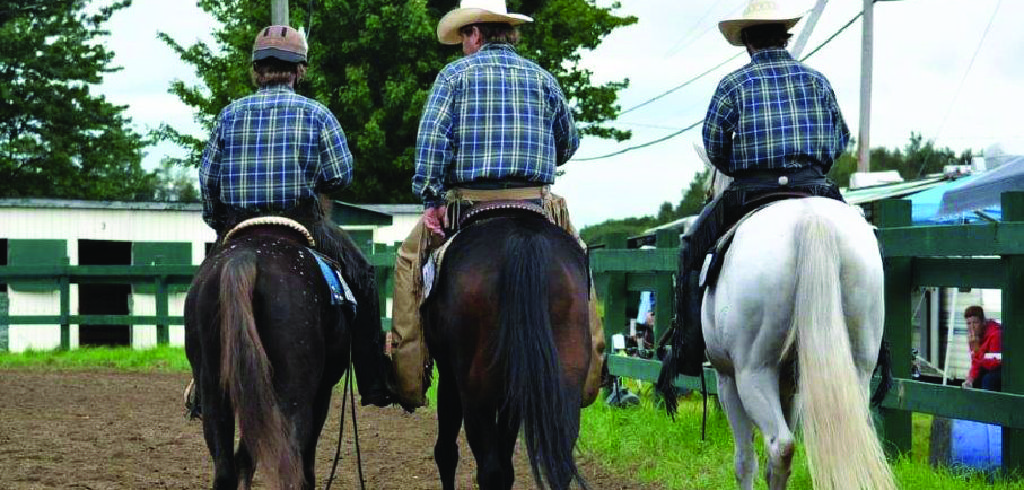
165,359
646,444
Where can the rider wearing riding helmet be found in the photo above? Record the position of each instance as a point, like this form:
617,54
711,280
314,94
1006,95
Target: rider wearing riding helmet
271,154
775,127
495,127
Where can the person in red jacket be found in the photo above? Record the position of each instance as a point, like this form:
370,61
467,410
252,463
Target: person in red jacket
986,352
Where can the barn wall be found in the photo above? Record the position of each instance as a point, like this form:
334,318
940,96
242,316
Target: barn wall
75,223
400,227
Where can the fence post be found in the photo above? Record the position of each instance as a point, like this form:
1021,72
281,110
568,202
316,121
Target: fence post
384,276
162,333
1013,332
611,288
896,424
665,295
65,305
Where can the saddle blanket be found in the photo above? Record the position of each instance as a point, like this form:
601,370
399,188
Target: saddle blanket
341,294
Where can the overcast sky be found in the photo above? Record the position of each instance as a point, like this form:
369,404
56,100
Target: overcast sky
922,52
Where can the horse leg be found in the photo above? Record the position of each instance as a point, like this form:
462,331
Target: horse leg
481,426
508,435
308,439
219,431
449,422
759,391
742,432
245,464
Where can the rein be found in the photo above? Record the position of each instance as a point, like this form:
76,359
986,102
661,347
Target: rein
346,395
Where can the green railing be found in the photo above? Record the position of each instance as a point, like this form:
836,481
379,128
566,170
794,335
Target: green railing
978,256
160,276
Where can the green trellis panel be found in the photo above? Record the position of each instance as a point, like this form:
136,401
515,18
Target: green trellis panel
36,253
161,253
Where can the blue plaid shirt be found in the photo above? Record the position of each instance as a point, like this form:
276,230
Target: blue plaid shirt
773,113
270,150
492,115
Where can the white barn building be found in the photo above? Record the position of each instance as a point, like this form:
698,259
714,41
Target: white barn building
48,232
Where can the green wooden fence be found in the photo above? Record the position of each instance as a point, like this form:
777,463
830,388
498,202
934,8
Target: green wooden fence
979,256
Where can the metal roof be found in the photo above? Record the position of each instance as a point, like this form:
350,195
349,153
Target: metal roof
865,195
79,204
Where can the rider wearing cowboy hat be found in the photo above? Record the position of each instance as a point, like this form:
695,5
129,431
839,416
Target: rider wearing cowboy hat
775,127
272,153
495,127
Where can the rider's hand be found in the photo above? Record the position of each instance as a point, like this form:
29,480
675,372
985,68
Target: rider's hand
968,383
436,219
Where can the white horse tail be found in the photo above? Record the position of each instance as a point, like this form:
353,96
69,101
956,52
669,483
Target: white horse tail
842,448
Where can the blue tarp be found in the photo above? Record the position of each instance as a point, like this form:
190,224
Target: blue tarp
986,190
925,205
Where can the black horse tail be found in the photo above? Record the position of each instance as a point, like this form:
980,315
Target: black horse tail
884,370
246,375
525,347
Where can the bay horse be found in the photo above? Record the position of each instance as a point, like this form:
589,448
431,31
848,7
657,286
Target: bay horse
266,348
507,325
793,327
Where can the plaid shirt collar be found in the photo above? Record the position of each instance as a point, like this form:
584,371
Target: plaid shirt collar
275,89
770,55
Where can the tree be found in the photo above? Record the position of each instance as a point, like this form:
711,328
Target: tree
173,183
915,160
57,139
691,204
372,62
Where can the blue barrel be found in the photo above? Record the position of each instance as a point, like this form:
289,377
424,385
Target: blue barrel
976,444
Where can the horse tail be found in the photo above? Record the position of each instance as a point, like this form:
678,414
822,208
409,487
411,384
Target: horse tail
246,375
525,347
842,448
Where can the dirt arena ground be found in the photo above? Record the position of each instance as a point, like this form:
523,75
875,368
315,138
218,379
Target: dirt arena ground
117,430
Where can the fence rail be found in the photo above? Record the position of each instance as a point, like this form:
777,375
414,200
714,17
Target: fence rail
979,256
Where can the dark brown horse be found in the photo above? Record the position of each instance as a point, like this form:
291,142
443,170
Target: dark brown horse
507,326
266,348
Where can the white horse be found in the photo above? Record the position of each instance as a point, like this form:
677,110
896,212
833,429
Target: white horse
799,302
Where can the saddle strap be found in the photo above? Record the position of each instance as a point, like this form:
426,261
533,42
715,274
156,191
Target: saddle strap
271,221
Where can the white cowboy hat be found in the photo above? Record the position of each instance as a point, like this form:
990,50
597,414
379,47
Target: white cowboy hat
475,12
758,12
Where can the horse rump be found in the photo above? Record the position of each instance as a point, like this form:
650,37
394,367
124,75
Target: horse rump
537,392
247,376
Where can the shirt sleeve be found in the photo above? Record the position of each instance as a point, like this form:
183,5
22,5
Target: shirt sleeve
719,126
567,137
335,157
209,177
841,131
434,144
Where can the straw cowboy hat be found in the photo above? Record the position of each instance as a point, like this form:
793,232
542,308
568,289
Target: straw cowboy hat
475,12
758,12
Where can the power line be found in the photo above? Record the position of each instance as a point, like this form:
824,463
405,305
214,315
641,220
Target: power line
698,123
833,36
681,45
645,145
677,87
968,70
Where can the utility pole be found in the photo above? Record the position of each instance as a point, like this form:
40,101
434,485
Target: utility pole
866,55
279,12
812,20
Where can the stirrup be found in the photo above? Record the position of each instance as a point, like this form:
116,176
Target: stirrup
192,409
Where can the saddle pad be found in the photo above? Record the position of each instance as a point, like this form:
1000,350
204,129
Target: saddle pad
340,292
